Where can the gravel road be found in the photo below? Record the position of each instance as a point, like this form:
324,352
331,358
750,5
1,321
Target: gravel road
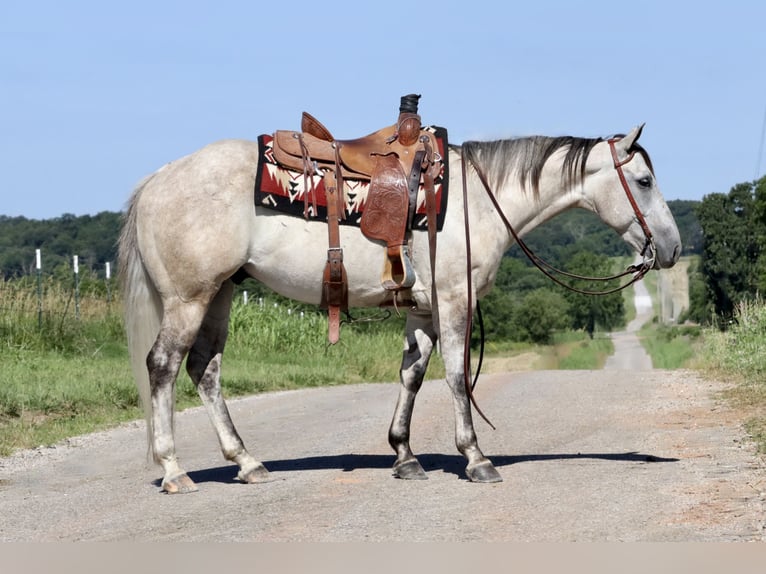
626,453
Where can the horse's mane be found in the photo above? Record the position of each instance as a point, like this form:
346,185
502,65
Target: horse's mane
524,158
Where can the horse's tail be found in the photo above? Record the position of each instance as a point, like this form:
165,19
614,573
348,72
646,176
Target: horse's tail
141,304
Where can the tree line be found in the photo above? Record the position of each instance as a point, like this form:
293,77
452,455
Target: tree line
733,256
527,306
93,238
524,305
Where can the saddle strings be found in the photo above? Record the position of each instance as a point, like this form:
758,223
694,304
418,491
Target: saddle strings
309,170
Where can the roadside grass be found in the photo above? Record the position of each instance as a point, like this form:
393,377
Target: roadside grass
588,353
64,375
738,356
575,350
45,397
671,346
63,364
570,350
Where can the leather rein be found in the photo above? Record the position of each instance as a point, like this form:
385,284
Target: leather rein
549,270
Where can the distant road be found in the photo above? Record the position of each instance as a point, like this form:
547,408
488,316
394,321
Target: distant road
628,352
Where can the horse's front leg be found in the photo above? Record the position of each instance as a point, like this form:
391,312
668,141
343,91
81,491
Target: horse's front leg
204,368
419,341
479,468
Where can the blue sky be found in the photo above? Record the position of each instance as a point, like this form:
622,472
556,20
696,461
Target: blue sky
96,95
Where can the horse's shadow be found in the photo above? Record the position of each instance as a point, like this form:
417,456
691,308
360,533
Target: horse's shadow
450,464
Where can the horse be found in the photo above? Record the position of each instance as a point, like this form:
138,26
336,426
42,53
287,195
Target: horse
192,225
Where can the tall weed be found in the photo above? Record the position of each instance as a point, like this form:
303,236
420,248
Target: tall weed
738,354
741,348
670,346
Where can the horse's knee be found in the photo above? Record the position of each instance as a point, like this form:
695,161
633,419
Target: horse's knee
415,358
412,374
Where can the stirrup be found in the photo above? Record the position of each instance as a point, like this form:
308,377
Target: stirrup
398,272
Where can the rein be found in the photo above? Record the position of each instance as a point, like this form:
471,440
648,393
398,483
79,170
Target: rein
548,270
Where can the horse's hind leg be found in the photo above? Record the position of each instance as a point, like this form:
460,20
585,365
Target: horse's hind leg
204,368
180,323
419,343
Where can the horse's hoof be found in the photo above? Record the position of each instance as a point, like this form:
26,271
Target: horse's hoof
483,472
410,470
180,484
255,475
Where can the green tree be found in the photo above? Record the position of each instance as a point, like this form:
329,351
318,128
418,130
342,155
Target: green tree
592,312
541,313
684,212
731,246
514,279
92,238
700,308
759,232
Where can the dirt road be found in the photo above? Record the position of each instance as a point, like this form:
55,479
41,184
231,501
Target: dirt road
630,454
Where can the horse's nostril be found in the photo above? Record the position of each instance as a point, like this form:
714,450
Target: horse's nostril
676,252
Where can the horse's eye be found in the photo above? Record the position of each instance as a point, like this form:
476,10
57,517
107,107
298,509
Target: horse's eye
645,182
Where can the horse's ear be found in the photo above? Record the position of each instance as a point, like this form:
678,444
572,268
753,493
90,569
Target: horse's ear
627,142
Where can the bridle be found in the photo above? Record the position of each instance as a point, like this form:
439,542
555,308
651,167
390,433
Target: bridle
637,270
636,210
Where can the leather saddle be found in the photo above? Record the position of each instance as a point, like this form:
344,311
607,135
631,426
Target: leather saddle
394,160
358,157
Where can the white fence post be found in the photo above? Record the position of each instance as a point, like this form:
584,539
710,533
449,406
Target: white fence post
108,283
76,268
39,267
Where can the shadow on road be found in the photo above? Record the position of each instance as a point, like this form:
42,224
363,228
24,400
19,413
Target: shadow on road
451,464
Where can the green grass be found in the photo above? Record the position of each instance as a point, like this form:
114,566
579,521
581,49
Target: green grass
45,397
66,376
575,350
62,374
738,355
588,354
671,346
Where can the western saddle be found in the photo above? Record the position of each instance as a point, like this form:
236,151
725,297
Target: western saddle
394,160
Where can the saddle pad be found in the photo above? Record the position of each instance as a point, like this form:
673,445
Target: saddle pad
283,190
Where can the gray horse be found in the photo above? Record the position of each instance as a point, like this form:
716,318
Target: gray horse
193,224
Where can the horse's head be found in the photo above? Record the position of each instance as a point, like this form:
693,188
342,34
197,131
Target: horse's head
620,187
